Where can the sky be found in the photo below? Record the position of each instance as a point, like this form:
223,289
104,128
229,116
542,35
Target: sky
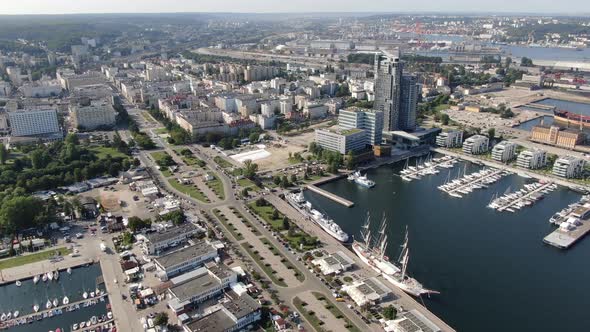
12,7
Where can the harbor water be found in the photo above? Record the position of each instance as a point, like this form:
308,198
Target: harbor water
528,125
83,279
492,269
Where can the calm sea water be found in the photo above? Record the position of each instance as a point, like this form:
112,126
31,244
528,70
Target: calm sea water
492,269
580,108
546,53
528,125
23,298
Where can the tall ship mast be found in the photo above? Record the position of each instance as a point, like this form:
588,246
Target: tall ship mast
375,257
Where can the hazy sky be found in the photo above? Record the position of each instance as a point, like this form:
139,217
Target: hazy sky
154,6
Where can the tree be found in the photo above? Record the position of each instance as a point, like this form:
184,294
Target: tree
284,182
261,202
293,178
275,214
20,212
245,192
254,137
135,223
286,223
444,119
3,154
177,217
491,133
250,169
526,62
350,161
161,319
389,312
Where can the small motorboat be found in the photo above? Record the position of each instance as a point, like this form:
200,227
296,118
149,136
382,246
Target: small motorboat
97,292
3,317
18,283
69,270
8,315
48,304
56,275
55,302
109,315
36,279
36,308
66,300
82,325
93,320
75,327
15,314
85,295
91,294
88,323
50,275
44,277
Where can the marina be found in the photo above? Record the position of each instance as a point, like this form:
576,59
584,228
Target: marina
468,182
65,298
428,167
527,196
455,250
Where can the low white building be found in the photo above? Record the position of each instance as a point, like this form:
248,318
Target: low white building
569,167
185,259
504,151
157,242
315,111
368,291
476,144
335,263
450,139
532,159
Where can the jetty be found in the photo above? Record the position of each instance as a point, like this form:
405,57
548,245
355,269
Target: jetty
573,222
329,195
563,239
514,201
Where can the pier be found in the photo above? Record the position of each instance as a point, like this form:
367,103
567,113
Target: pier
563,239
531,196
329,195
35,316
466,187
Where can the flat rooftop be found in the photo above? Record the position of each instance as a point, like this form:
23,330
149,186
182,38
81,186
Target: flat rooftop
172,232
201,248
196,286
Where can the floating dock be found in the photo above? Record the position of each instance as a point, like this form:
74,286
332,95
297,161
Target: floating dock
564,239
329,195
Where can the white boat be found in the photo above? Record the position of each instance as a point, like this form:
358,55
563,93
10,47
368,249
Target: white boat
48,304
93,320
85,295
44,277
15,314
9,315
36,308
375,257
69,270
56,275
50,275
103,247
75,327
328,225
91,294
66,300
18,283
407,179
82,325
362,180
3,317
35,279
109,315
55,302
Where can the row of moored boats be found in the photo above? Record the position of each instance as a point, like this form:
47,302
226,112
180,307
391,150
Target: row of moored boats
428,167
469,182
297,200
527,196
569,217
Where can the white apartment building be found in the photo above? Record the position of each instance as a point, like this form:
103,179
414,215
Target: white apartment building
569,167
98,113
315,111
33,122
476,144
42,89
504,151
532,159
368,120
341,140
450,139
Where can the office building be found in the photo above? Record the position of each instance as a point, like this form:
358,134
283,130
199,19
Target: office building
532,159
185,259
569,167
554,135
91,115
341,140
450,139
371,121
395,94
476,144
33,122
158,242
504,151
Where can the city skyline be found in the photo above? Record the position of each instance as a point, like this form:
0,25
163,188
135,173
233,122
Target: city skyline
304,6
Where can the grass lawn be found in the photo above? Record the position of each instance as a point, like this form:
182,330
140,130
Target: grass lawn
309,316
158,155
284,260
102,152
442,107
217,186
266,268
265,212
32,258
336,312
189,190
247,183
222,162
230,227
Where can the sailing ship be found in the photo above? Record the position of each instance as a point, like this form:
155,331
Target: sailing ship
372,253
